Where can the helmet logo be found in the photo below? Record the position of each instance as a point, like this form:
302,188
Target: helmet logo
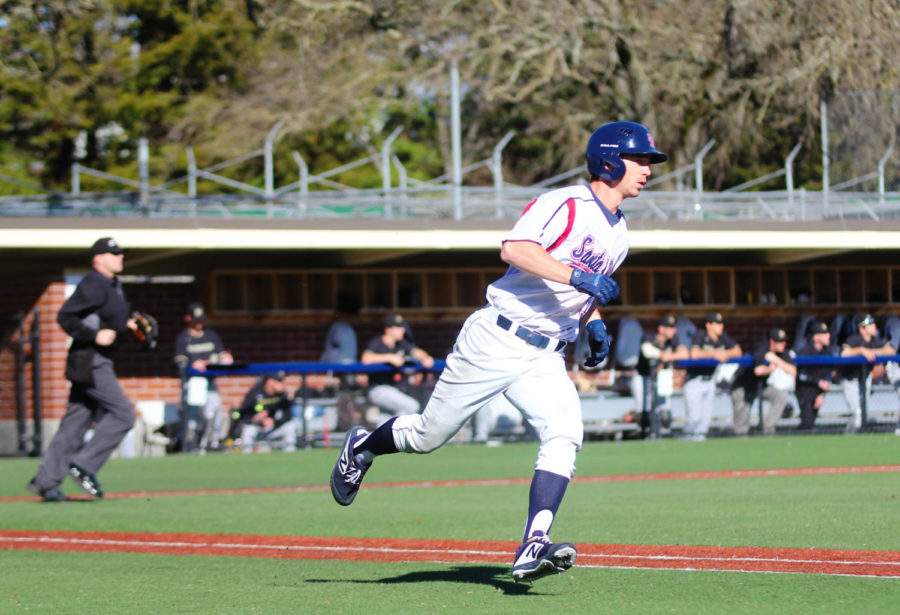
650,139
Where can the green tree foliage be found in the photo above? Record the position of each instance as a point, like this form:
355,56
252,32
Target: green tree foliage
217,75
82,81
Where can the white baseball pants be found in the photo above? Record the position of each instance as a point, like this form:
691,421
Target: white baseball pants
488,361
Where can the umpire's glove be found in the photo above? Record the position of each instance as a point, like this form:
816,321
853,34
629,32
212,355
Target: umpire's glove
598,341
599,286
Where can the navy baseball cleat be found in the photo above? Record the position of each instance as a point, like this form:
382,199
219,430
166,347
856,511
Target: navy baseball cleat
86,481
48,495
348,472
537,557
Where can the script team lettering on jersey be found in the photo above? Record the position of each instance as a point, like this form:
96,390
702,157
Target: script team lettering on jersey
585,257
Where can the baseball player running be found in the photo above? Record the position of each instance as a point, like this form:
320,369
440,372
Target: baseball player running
561,254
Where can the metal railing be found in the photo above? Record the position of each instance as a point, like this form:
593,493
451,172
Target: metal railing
437,202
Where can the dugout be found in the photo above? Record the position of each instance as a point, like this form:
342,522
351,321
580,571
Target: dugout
270,285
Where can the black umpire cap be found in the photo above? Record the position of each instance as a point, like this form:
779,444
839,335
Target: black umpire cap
106,245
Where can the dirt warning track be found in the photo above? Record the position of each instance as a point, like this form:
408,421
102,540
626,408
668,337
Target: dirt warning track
884,564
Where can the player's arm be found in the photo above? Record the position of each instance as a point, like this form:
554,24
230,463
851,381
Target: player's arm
681,352
531,257
698,352
852,351
597,337
787,366
422,357
886,349
731,353
369,357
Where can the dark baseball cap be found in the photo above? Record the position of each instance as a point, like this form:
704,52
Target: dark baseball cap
667,321
196,312
865,321
393,320
106,245
714,317
819,327
778,335
279,376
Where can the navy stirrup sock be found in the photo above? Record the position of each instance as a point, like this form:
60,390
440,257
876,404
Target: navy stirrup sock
380,441
544,498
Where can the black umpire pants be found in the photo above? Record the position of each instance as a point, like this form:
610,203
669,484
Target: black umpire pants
103,405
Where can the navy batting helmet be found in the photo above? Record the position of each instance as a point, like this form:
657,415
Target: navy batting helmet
611,141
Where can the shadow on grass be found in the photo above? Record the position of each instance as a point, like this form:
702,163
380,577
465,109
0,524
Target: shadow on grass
493,576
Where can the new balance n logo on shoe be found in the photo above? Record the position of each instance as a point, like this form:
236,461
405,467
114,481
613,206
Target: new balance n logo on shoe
537,557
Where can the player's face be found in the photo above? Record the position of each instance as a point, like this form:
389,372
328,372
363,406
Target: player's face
667,333
637,172
274,387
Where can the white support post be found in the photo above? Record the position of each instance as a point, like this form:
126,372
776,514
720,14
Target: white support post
303,181
698,178
497,170
789,173
76,179
402,182
386,170
192,173
144,170
456,138
269,164
826,160
881,165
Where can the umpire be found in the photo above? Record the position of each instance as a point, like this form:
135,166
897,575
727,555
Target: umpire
95,316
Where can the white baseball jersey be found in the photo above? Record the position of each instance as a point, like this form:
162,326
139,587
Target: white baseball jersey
575,228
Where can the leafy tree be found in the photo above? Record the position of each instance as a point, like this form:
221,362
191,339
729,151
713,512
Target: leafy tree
341,74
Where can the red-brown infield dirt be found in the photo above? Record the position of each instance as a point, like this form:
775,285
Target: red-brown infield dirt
740,559
884,564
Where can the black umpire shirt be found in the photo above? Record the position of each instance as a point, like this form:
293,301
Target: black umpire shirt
100,295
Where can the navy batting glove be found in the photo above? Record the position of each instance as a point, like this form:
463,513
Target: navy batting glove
598,341
602,287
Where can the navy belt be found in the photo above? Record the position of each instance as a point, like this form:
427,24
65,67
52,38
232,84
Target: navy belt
535,339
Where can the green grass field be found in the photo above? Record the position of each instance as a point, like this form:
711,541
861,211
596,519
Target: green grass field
832,511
